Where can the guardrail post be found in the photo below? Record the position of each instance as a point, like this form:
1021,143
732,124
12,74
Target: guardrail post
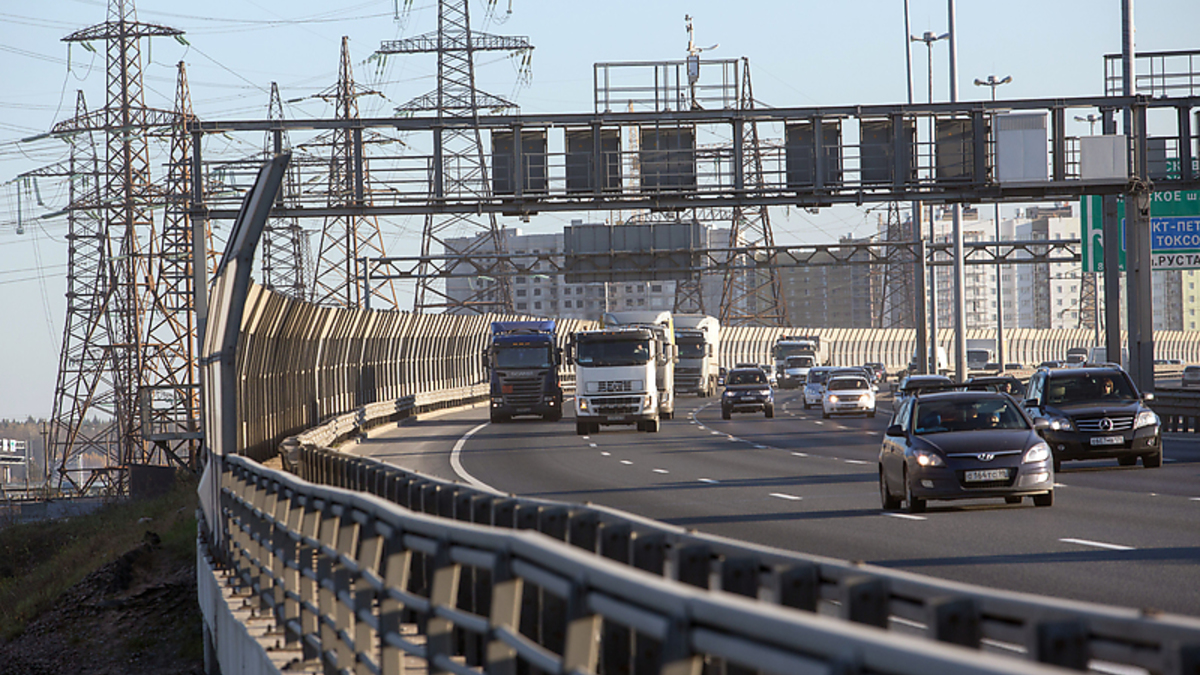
440,631
583,530
365,596
505,616
616,544
865,600
955,620
740,576
395,569
553,523
692,565
1061,643
799,587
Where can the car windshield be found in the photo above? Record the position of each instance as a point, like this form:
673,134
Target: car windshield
746,377
691,349
613,352
1087,387
799,362
932,417
817,376
524,357
844,383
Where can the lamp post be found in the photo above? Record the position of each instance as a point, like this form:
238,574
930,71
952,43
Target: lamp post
992,82
929,38
1091,119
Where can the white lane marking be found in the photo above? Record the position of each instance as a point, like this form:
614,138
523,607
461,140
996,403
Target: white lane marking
855,461
661,471
1195,499
591,445
819,422
800,454
709,481
760,447
626,462
1097,544
456,462
791,498
905,516
715,433
604,453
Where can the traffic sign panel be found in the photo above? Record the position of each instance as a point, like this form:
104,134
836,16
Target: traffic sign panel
1174,230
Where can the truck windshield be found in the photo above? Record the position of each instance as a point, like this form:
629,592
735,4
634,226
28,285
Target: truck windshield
612,353
782,351
524,357
799,362
691,349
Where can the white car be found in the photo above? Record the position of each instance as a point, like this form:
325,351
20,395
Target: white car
814,387
848,395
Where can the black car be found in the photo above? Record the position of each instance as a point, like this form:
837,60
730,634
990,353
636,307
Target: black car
917,383
880,371
1005,384
747,390
1095,412
963,445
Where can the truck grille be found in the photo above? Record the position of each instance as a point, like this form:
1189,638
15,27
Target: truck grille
1095,424
522,391
616,405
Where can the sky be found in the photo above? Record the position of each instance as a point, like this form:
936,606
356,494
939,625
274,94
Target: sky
802,53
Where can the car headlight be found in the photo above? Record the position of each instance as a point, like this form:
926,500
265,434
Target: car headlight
1059,423
927,458
833,398
727,394
1146,418
764,392
865,398
1040,452
583,404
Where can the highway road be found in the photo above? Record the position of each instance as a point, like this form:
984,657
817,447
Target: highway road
1115,535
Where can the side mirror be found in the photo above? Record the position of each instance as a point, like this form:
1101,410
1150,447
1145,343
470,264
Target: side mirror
1148,396
1031,403
1040,424
558,356
895,431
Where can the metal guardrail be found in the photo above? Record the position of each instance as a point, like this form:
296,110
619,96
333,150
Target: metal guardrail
1058,632
346,576
1179,409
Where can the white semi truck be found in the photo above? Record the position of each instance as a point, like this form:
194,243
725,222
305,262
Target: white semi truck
798,345
698,337
663,327
616,378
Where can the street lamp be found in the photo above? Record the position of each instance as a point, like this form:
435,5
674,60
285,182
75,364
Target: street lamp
992,82
929,38
1091,119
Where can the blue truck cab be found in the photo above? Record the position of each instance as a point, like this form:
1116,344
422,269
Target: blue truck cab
522,360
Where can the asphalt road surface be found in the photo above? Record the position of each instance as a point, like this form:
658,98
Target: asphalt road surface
1115,535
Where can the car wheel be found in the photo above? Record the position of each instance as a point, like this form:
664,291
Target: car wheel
889,502
824,414
806,405
912,504
1128,460
1046,499
581,428
769,411
1057,465
725,413
652,426
1012,500
871,413
1152,461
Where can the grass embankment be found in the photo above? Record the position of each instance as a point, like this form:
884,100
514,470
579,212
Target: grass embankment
40,561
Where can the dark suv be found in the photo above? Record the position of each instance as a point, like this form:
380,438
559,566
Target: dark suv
1095,413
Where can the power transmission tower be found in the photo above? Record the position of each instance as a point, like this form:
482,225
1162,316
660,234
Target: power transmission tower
460,169
896,295
283,243
347,239
116,355
751,295
84,383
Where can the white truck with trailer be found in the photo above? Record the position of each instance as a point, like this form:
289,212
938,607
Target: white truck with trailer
698,338
663,326
616,378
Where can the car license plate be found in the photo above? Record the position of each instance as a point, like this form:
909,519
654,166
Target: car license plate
986,475
1108,440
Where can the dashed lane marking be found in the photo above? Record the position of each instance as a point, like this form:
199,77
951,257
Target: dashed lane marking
790,498
905,516
1097,544
709,481
626,462
855,461
605,454
661,471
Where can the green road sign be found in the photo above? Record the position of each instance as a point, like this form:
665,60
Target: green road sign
1174,230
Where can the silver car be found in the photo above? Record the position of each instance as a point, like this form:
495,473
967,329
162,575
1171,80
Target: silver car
814,388
1191,376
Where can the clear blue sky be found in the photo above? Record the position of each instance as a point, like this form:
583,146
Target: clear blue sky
802,53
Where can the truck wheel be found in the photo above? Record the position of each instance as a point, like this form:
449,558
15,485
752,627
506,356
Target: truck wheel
725,413
652,426
581,428
769,411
